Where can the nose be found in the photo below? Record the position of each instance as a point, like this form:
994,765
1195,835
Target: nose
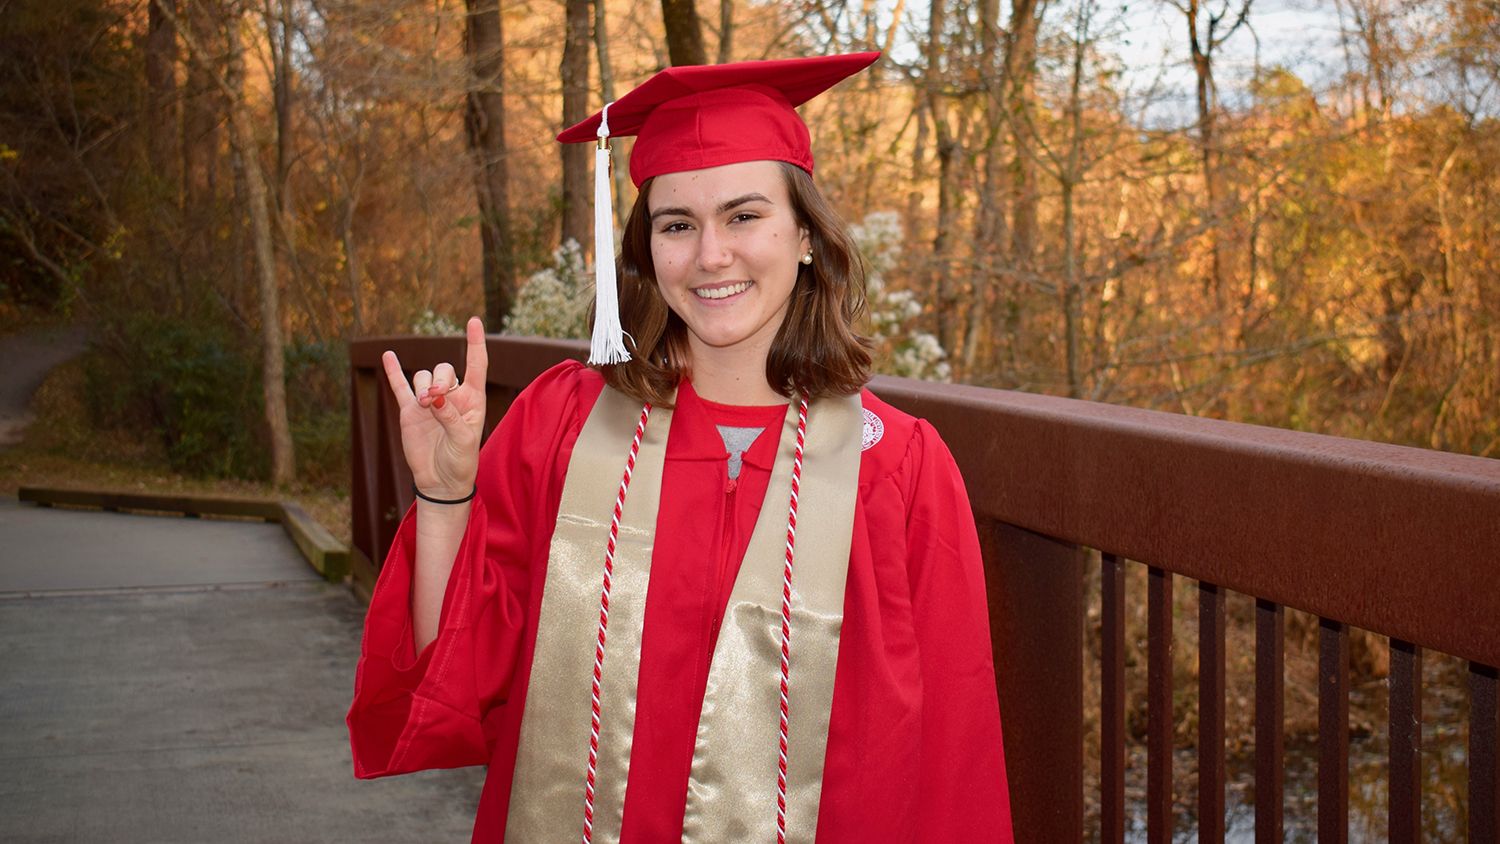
713,250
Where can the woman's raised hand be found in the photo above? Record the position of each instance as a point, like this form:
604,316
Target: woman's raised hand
442,420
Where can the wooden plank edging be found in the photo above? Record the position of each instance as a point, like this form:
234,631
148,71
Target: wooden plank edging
328,556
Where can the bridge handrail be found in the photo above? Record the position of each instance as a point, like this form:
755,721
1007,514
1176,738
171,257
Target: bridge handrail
1401,541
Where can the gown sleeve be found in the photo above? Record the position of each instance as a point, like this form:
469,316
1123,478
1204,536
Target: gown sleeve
964,791
413,711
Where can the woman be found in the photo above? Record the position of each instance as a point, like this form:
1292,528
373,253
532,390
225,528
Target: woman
716,592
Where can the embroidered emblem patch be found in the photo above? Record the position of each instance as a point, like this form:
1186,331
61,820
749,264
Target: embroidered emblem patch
874,430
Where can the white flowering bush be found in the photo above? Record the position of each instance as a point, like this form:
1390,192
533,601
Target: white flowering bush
434,324
899,349
554,301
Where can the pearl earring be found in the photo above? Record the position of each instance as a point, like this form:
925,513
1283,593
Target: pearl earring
807,259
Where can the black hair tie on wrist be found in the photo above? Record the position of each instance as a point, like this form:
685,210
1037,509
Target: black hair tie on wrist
432,500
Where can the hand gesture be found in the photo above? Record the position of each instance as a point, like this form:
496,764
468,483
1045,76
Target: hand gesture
442,420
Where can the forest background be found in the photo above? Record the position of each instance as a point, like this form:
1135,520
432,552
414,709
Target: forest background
1284,212
1091,199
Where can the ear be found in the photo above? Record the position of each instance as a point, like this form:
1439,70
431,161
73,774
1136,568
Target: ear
804,241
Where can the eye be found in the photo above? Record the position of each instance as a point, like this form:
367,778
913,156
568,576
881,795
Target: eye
675,227
744,217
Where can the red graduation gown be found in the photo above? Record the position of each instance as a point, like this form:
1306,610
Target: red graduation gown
914,746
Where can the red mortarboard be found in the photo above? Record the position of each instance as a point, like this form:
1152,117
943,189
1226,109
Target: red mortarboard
698,116
694,117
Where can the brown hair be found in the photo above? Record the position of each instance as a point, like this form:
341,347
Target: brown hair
816,349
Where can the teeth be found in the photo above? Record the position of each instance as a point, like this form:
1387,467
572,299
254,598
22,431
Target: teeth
721,292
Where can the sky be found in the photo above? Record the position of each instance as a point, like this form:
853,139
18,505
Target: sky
1148,39
1299,35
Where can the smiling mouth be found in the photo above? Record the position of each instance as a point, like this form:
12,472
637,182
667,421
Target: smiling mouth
722,292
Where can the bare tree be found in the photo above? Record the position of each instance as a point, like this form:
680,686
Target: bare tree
161,81
726,30
947,155
485,121
1070,175
1018,87
1204,39
203,110
279,29
246,155
684,32
246,159
989,218
577,223
607,88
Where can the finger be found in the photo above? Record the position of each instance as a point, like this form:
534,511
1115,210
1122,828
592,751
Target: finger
477,359
448,415
397,379
444,378
419,384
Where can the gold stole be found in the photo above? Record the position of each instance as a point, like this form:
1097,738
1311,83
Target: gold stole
732,790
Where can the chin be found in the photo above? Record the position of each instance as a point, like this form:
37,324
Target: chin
723,338
722,341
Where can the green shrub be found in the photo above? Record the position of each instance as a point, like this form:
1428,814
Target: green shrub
194,384
317,389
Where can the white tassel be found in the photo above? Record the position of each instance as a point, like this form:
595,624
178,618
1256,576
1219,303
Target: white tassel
608,343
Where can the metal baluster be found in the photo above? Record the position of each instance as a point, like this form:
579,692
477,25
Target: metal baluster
1210,713
1406,742
1112,701
1333,732
1159,716
1270,702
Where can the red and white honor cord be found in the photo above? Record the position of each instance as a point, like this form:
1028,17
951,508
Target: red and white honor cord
786,620
786,623
609,570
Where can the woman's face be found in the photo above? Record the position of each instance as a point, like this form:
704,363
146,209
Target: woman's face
725,245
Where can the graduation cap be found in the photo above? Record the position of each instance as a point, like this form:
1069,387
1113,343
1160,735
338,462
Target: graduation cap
690,118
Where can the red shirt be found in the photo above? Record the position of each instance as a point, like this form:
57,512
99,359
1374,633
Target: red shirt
914,744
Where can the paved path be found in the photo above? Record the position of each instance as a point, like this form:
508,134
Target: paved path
181,680
28,357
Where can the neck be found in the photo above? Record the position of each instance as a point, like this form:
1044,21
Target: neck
732,376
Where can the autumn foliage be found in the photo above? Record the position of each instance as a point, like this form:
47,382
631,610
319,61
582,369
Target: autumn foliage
1311,248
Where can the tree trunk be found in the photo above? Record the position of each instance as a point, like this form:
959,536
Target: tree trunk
281,37
1019,89
989,217
947,150
684,33
484,119
165,225
1071,176
284,129
203,107
1202,55
354,272
273,379
577,187
161,57
1202,46
726,30
620,175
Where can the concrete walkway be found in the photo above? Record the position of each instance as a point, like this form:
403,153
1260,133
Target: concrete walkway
28,357
180,680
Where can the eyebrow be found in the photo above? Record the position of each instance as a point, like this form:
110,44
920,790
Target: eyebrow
678,211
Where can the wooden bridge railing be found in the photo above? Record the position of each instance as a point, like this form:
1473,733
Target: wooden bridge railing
1400,541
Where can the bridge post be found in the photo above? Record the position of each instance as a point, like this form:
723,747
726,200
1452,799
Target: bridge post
1035,587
